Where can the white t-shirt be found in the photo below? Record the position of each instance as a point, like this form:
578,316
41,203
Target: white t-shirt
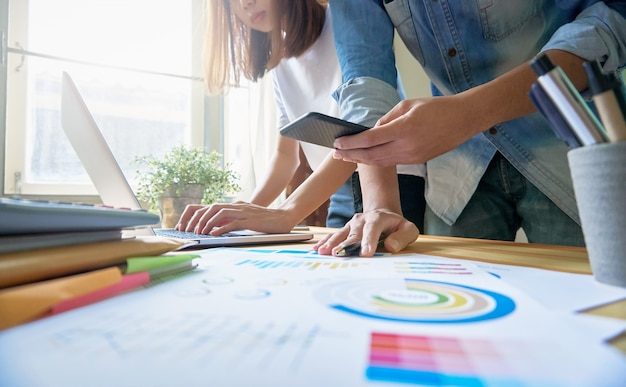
306,83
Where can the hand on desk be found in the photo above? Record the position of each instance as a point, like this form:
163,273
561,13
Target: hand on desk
220,218
367,228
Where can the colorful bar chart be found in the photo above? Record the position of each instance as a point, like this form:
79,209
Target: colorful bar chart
306,265
418,267
437,361
300,253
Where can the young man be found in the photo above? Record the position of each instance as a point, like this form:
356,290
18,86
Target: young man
493,163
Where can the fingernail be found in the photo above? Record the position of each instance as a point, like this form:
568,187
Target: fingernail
393,244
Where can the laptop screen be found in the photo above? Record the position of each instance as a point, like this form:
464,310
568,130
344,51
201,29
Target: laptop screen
92,149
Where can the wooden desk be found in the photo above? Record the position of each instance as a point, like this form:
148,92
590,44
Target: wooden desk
558,258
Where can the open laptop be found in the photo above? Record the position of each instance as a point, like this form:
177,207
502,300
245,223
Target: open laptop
112,186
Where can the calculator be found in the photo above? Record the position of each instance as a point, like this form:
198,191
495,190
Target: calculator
20,217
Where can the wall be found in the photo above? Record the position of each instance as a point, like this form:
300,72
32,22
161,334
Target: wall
414,80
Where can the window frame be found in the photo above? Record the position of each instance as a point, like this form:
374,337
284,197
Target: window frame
4,28
207,123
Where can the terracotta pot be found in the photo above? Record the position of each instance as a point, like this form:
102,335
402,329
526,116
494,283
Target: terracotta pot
173,202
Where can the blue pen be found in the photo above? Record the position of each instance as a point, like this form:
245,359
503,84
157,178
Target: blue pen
568,101
547,108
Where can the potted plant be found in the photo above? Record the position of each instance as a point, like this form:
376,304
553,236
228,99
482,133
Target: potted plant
184,175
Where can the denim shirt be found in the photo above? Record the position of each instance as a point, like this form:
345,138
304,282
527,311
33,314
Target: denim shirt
462,44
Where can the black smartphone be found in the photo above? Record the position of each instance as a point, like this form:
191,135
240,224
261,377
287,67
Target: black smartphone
320,129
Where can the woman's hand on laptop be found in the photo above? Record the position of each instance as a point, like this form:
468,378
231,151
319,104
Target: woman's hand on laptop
367,229
220,218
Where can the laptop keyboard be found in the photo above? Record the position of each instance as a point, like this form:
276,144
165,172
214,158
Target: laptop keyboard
189,235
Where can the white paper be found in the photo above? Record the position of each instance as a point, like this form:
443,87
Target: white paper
247,318
565,291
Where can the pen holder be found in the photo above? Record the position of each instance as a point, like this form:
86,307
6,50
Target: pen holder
599,177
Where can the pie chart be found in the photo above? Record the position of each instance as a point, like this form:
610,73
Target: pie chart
415,300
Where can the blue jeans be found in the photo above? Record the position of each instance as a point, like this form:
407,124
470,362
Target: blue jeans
411,197
341,208
505,202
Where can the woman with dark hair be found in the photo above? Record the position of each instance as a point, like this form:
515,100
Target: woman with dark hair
293,41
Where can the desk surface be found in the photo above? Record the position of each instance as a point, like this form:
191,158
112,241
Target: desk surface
549,257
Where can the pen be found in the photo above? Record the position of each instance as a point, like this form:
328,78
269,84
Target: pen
355,248
568,101
545,106
609,100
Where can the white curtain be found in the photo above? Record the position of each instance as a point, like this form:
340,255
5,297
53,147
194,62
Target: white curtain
257,140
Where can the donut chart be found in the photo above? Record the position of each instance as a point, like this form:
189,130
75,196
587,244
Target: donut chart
415,301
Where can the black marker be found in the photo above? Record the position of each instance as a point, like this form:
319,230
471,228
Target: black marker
354,249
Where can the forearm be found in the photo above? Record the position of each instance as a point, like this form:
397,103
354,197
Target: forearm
379,187
282,168
272,186
370,89
485,106
317,188
598,32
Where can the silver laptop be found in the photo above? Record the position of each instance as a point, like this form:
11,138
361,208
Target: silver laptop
112,186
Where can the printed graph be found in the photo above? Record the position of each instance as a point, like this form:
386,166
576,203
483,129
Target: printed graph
415,301
215,341
425,267
452,361
303,265
300,253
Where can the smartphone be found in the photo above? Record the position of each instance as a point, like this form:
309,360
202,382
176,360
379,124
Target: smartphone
320,129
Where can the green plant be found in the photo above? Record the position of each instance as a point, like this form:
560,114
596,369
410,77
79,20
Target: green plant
183,166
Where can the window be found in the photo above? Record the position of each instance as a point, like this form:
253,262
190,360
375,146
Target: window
138,65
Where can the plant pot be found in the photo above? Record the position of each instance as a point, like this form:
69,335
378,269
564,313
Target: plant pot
172,202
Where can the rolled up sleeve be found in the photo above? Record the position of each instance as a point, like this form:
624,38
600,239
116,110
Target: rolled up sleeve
364,37
599,32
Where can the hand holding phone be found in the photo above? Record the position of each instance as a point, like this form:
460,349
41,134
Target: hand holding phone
320,129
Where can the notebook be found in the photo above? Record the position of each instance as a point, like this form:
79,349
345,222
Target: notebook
112,186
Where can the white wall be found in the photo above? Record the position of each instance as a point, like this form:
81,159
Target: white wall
414,80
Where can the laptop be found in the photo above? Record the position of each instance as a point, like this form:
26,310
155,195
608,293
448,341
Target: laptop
113,188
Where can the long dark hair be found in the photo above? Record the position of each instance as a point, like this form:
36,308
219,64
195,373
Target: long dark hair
232,48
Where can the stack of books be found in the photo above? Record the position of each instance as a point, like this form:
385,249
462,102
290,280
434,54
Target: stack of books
59,256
